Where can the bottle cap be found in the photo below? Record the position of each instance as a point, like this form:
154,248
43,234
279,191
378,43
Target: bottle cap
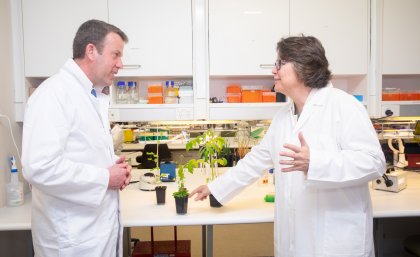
121,83
13,162
131,84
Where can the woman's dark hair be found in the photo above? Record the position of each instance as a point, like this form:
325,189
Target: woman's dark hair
308,57
93,32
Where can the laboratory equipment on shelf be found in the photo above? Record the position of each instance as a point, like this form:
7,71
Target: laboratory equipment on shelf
122,93
133,94
398,154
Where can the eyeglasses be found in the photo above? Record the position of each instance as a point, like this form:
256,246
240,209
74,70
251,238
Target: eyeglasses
279,63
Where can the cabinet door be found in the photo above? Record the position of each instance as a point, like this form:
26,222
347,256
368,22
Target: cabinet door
401,37
243,35
340,25
49,27
159,34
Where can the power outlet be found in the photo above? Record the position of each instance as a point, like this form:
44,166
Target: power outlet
113,115
390,110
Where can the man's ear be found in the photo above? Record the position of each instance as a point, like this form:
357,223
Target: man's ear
90,51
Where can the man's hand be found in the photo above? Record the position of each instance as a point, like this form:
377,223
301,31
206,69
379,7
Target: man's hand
202,192
300,156
119,174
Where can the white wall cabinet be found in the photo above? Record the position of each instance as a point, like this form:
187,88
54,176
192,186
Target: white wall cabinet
401,55
241,44
401,37
341,26
160,36
49,27
243,35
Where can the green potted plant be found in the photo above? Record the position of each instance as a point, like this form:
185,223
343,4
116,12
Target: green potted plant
160,189
181,195
210,150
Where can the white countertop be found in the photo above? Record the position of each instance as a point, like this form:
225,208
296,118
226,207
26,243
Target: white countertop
405,203
16,218
139,208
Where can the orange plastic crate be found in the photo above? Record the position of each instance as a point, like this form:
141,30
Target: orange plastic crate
269,97
251,96
390,96
408,96
233,88
155,99
154,88
234,97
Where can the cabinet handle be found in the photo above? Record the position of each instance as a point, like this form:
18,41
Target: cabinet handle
131,67
266,66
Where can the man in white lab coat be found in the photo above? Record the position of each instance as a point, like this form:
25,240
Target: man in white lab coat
324,151
68,156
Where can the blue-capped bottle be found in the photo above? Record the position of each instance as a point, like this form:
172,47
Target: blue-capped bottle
133,92
122,93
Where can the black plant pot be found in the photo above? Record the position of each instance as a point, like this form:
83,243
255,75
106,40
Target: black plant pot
214,202
181,204
160,194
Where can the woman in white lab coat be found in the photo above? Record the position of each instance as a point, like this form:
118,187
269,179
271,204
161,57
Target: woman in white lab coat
68,155
324,151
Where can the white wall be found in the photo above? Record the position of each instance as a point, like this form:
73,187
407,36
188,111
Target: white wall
15,243
6,99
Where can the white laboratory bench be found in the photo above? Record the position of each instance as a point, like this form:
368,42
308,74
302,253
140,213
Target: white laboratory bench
139,208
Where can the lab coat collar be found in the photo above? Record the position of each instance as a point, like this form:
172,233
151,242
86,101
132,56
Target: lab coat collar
71,67
316,98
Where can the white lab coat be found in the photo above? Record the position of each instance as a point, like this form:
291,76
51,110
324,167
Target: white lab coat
67,148
328,212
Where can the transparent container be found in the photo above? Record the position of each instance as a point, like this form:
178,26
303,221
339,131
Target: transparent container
122,93
171,99
133,92
390,94
14,189
408,95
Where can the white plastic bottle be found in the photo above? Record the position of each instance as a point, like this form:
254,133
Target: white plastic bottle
14,190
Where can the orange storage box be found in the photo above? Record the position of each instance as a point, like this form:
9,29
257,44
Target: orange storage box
234,97
251,96
269,97
233,88
390,94
154,88
155,99
408,96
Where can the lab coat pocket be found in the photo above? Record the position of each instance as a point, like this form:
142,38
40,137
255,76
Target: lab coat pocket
344,234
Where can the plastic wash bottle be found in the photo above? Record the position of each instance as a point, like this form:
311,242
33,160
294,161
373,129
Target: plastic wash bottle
14,189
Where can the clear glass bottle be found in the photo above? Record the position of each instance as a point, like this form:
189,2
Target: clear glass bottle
133,92
122,93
